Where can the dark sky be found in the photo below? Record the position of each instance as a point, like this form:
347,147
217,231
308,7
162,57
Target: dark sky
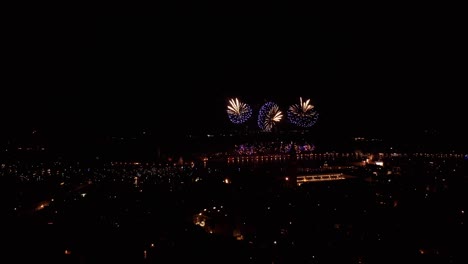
365,75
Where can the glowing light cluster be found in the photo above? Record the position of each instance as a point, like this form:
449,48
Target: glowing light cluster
302,114
268,116
238,112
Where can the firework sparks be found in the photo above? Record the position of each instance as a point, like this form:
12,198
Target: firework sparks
302,114
238,112
268,116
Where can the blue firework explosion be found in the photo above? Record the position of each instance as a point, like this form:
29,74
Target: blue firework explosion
302,114
238,112
268,116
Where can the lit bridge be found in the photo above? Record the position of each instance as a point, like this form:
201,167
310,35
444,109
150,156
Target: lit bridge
321,177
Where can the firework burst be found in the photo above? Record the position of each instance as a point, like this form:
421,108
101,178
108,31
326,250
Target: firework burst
268,116
302,114
238,112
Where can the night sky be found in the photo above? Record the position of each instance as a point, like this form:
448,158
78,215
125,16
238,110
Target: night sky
117,74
